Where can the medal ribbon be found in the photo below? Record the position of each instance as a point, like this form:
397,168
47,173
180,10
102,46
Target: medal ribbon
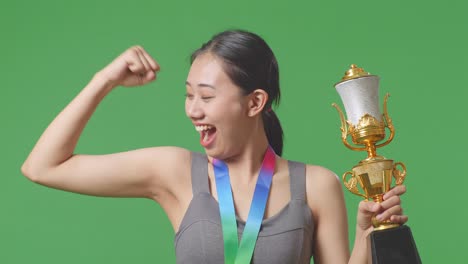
242,254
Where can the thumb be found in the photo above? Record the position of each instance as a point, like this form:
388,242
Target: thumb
369,207
148,76
139,79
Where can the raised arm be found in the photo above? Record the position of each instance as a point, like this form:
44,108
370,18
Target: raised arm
137,173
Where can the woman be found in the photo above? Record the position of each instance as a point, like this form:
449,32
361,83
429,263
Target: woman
232,84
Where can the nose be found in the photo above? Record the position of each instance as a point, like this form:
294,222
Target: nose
193,109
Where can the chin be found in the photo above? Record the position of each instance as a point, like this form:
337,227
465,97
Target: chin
212,152
216,153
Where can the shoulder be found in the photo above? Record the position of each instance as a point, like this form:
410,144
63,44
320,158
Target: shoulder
323,190
170,166
317,177
167,157
321,177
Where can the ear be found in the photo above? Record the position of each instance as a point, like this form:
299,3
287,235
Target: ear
257,100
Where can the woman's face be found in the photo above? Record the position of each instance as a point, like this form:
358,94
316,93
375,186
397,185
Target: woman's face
216,107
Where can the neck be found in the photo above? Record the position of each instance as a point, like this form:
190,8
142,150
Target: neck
245,166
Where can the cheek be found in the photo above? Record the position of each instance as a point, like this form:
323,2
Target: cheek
231,118
227,110
188,104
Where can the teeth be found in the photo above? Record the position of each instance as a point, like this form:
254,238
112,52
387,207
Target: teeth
205,138
203,128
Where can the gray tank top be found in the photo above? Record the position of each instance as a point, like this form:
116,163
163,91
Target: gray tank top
286,237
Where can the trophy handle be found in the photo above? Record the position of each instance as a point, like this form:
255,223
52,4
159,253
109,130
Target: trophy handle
399,175
344,130
351,184
388,124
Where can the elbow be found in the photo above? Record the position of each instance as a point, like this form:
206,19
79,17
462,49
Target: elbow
29,173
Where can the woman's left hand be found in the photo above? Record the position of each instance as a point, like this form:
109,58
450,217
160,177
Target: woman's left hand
389,209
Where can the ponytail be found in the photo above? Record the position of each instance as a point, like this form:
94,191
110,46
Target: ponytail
273,130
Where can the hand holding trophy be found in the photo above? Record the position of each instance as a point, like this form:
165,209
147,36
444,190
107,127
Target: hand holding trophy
359,91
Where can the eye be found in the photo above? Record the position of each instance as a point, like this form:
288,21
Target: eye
207,98
188,95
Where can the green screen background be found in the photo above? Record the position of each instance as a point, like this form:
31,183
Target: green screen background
51,49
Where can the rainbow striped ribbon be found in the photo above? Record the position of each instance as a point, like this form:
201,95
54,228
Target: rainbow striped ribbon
242,254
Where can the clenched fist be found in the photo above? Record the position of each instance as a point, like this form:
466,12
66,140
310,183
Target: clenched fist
132,68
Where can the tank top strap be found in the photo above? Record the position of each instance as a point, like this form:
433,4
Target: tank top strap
297,176
199,173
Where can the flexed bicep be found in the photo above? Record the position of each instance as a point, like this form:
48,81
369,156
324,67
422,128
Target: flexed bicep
144,172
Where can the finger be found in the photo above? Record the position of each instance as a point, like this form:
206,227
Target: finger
390,202
140,79
143,59
399,219
397,190
148,77
134,62
154,65
369,208
395,210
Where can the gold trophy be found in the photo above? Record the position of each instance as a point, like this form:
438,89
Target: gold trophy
359,91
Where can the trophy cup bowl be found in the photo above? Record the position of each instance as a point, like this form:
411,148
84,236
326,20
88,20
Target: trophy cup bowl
359,92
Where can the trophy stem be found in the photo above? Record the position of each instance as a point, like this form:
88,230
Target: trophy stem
371,150
378,198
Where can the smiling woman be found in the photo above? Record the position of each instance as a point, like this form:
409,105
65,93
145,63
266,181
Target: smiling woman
240,68
240,199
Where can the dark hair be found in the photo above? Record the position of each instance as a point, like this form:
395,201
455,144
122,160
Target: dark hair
251,64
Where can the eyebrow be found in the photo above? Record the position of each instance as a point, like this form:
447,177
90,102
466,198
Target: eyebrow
201,85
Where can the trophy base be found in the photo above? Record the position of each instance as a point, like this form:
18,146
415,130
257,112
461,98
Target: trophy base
394,245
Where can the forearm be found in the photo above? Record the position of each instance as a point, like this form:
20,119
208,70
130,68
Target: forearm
59,140
360,253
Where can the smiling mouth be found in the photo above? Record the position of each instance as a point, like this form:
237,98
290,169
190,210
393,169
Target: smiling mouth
207,133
